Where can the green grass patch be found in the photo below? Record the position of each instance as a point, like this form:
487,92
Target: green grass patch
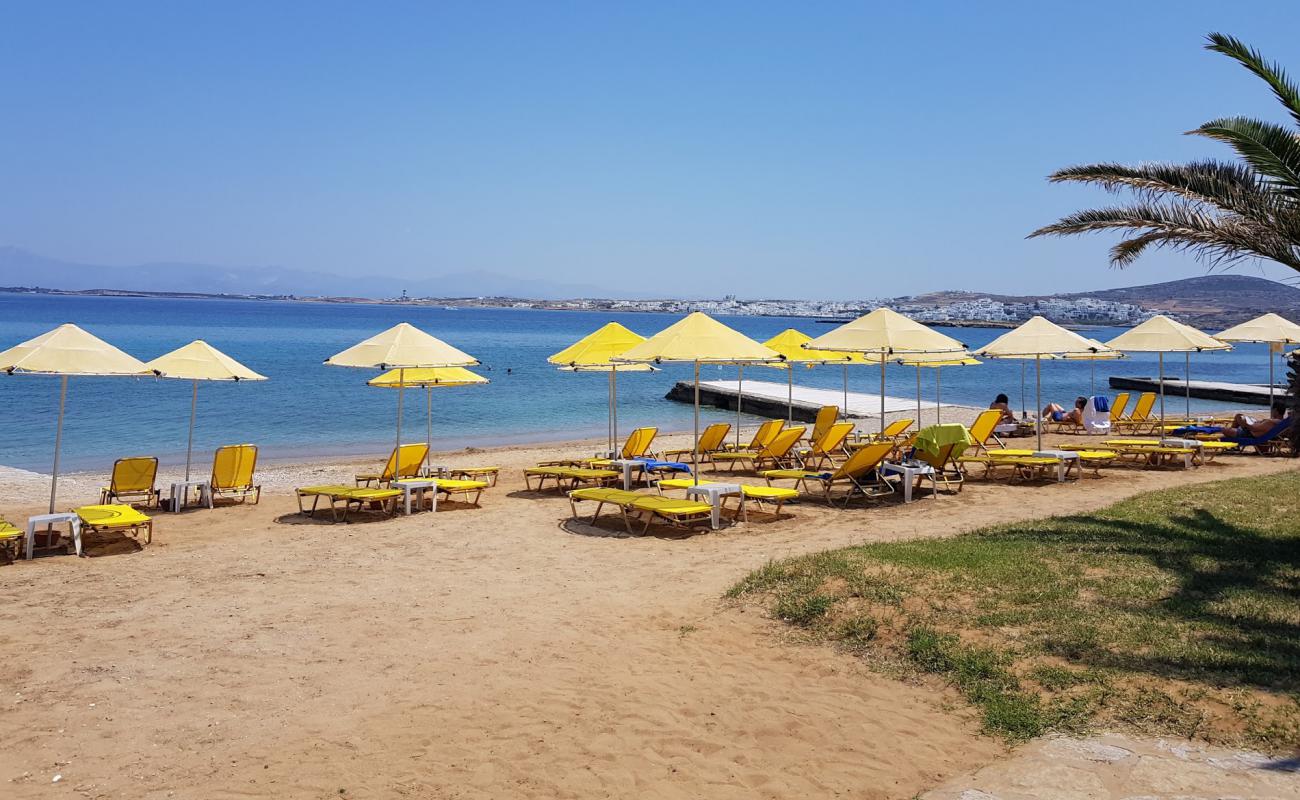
1173,612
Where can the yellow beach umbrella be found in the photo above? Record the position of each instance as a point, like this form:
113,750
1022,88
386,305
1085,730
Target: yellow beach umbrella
1272,329
67,351
936,362
1161,335
592,353
428,378
1040,338
790,344
699,339
199,361
884,333
401,347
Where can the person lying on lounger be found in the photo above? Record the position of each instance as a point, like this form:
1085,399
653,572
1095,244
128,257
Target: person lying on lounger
1056,413
1003,403
1244,427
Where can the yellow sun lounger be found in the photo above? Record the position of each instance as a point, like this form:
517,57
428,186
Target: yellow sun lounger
893,431
826,446
711,441
1148,452
775,454
777,495
115,518
10,539
982,429
232,473
651,507
404,462
1140,420
488,474
349,496
132,482
859,475
574,476
826,417
458,486
762,437
1029,464
637,446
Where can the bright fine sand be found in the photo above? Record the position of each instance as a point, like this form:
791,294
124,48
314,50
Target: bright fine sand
473,653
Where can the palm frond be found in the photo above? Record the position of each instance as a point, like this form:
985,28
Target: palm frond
1271,72
1225,185
1271,149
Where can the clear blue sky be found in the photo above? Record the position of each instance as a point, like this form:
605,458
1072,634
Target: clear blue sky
776,149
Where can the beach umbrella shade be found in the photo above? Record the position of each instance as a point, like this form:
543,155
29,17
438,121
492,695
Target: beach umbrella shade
401,347
699,339
1272,329
882,334
199,361
592,353
1161,335
427,378
789,343
67,351
937,363
1039,338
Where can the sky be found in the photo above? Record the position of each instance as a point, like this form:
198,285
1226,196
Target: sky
773,149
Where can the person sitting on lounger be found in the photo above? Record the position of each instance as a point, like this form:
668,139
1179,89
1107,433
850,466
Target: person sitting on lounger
1056,413
1244,427
1003,403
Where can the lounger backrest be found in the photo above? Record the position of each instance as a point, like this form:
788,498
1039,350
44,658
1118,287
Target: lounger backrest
937,460
638,442
982,428
765,434
713,436
832,438
863,461
135,474
1117,408
897,427
826,416
784,441
233,465
1142,411
405,462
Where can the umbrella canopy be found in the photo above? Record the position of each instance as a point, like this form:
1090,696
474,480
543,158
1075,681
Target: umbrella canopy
1269,328
428,377
1161,335
592,353
199,361
885,332
67,351
698,339
403,347
1040,338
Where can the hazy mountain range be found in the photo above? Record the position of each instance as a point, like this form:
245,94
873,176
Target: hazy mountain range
20,267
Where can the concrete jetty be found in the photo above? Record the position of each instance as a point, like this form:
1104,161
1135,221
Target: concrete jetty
1247,393
768,399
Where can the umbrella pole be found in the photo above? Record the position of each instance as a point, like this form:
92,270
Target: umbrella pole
1270,378
613,405
846,392
58,443
189,446
401,390
428,410
1024,412
938,397
740,399
1162,394
695,448
1038,396
789,393
918,394
1187,385
609,422
882,394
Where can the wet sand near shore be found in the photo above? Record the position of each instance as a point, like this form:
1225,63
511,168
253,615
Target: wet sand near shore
504,651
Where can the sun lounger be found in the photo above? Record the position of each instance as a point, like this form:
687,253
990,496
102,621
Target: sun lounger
859,476
1267,444
940,446
116,518
360,496
651,507
762,437
826,417
462,488
776,454
826,446
404,462
232,473
1149,452
1140,420
712,440
1030,464
1117,408
982,429
572,476
10,540
893,432
488,474
776,495
637,446
132,481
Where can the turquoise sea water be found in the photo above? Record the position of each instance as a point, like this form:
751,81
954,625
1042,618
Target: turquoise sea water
308,409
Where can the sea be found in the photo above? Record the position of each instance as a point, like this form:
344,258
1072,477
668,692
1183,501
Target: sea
307,410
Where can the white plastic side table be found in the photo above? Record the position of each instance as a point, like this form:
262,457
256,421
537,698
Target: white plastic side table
628,464
1067,457
409,486
180,494
715,492
910,473
74,522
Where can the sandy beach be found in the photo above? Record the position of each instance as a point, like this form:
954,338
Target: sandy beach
503,651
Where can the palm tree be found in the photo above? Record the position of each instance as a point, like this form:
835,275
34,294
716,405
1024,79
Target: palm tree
1222,212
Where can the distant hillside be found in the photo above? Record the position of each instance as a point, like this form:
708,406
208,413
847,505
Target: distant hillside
1206,301
20,267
